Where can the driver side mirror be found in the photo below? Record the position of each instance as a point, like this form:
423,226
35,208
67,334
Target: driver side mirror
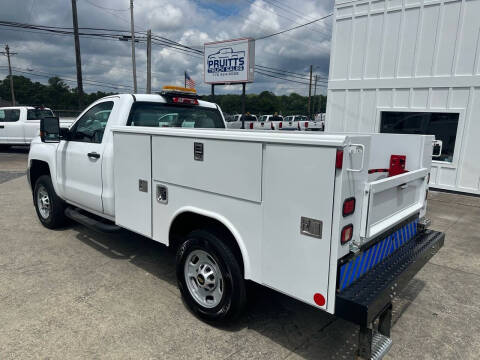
50,129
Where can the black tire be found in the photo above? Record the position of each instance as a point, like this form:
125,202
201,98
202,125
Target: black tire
56,215
233,298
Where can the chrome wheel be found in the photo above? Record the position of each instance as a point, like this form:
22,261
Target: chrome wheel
203,278
43,202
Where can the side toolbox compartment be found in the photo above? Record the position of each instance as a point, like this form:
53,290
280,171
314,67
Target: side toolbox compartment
133,188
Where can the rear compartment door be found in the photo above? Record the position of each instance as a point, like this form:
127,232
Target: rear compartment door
294,262
389,201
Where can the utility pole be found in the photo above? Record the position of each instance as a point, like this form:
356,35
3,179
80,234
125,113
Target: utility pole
314,95
132,30
7,53
77,55
149,61
310,93
243,105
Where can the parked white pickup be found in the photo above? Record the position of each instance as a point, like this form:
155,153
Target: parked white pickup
235,121
20,124
268,122
218,197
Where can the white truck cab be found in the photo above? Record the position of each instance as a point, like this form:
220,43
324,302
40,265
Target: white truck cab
217,196
20,124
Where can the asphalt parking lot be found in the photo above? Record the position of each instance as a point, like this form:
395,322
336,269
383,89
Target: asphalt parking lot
75,293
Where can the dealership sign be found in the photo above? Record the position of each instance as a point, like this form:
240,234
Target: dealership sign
231,61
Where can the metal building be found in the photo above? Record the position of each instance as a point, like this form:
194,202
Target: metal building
411,66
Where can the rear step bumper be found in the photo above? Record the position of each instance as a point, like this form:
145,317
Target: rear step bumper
364,300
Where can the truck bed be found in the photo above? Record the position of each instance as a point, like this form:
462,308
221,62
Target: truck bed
241,178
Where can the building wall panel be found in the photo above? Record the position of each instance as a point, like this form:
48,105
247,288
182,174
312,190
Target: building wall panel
374,46
448,32
426,44
406,54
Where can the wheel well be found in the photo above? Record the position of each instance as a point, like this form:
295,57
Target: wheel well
37,169
189,221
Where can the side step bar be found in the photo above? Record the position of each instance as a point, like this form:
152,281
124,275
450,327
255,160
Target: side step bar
90,222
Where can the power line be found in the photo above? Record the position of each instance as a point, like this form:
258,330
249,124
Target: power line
252,2
293,12
105,8
294,28
286,73
47,74
284,79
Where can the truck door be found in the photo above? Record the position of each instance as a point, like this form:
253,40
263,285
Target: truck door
79,159
10,128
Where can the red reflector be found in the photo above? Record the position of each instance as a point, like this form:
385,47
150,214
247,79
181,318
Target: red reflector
339,159
279,125
348,206
251,125
319,299
306,124
181,100
347,233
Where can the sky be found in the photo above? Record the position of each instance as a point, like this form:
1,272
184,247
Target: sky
190,22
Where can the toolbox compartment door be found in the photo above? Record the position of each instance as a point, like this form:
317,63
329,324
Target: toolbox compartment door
391,200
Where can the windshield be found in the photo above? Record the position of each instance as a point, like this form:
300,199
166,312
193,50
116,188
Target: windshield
167,115
38,114
263,118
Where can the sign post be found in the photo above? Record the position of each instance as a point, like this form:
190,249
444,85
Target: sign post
230,62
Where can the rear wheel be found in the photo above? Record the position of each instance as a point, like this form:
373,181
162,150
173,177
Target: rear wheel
210,277
50,208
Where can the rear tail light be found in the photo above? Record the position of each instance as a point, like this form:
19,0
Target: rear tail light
339,159
280,125
251,125
271,126
347,233
348,206
306,124
299,128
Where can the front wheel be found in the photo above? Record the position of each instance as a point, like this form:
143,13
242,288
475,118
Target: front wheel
209,277
50,208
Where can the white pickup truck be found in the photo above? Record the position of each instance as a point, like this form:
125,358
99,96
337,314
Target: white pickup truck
268,122
235,121
20,124
217,196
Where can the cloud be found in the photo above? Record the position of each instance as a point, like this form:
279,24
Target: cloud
190,22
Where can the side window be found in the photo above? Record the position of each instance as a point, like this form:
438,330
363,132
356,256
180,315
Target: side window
38,114
91,126
9,115
442,125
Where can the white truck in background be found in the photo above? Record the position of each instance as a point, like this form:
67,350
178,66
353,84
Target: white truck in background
267,122
300,122
218,197
235,121
19,125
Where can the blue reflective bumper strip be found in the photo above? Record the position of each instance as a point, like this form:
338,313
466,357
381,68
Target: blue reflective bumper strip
356,267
